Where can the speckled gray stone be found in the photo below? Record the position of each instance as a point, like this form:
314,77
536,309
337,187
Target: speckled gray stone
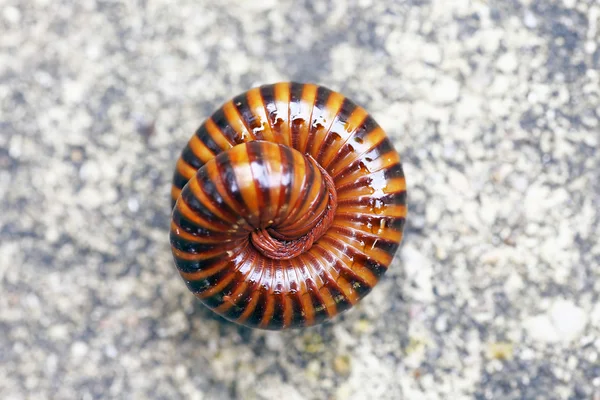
494,106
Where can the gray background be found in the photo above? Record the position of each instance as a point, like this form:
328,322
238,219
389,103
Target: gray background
494,107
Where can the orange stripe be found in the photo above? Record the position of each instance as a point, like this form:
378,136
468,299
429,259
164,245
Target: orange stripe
353,122
185,169
297,184
347,289
332,107
189,214
330,304
356,192
297,266
217,136
245,181
270,153
363,273
213,173
211,291
282,99
256,268
239,290
200,150
309,310
206,202
269,310
175,192
206,254
377,229
249,308
194,276
233,298
392,210
377,254
257,106
309,94
376,182
236,122
372,140
287,310
216,238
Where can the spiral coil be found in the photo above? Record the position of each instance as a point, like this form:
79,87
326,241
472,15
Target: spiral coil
288,206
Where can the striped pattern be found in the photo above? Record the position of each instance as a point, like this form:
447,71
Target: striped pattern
247,168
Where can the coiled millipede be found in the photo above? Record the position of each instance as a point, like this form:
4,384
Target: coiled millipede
289,204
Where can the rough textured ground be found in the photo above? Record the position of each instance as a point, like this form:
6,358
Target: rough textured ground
494,106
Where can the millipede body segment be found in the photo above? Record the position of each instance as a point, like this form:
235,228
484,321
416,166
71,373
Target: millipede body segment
289,204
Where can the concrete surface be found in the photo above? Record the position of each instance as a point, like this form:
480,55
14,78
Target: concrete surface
494,106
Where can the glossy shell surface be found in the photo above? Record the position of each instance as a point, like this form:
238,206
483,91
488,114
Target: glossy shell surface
258,163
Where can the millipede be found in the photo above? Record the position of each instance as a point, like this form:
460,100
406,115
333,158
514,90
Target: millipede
288,205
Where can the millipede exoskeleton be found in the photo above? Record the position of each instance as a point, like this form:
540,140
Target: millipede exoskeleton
289,204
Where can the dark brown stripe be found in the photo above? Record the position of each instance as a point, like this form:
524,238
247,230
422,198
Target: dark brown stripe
347,108
277,320
322,96
244,298
360,258
199,286
318,303
365,128
344,112
179,180
398,198
226,174
267,93
370,240
190,157
358,284
394,171
251,121
190,226
368,125
394,223
190,199
287,173
317,203
320,102
363,181
218,298
226,129
256,286
261,306
298,319
384,147
209,189
207,139
294,295
190,247
190,266
388,173
334,290
342,303
296,276
239,307
309,177
296,120
345,271
261,181
362,160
